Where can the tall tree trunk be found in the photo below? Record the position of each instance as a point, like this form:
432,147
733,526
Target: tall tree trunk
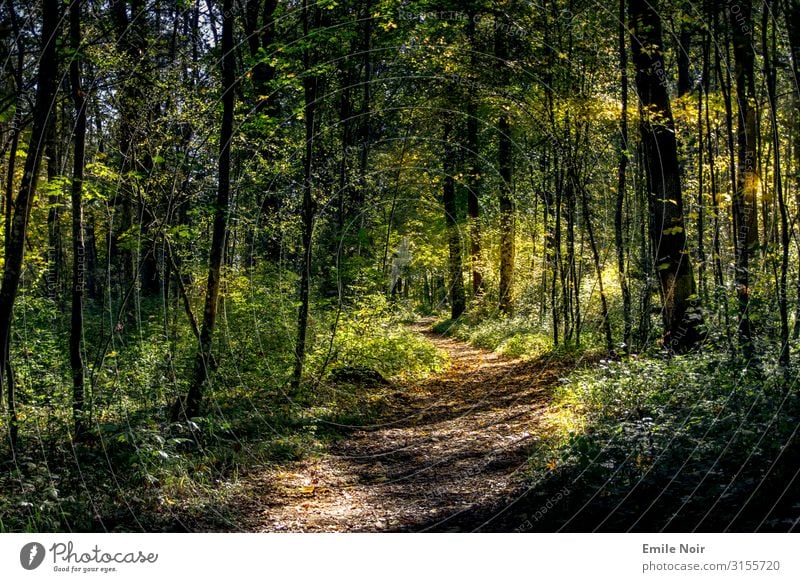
458,300
791,12
310,89
770,72
13,149
684,47
54,255
135,115
78,248
203,360
619,240
259,26
745,212
15,244
598,268
507,215
473,165
365,125
680,304
719,279
505,169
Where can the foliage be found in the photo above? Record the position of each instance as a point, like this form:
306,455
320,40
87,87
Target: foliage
668,436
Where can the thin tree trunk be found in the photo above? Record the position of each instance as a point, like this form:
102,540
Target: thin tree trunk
571,285
184,295
78,248
203,360
792,16
587,217
473,167
310,87
505,169
458,300
719,279
507,216
701,245
744,199
54,253
621,171
770,66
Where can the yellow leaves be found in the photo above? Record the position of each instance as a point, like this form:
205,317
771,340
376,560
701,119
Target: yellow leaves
390,25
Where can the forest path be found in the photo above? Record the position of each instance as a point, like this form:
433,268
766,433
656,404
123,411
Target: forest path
447,456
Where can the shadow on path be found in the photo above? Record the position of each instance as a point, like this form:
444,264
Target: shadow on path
448,448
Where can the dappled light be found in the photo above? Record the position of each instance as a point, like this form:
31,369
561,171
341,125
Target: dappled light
399,266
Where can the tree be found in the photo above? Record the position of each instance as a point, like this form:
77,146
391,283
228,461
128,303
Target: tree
458,300
310,91
474,177
506,202
78,246
680,304
15,243
203,360
745,210
622,166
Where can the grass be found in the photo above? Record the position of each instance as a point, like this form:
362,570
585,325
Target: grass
515,337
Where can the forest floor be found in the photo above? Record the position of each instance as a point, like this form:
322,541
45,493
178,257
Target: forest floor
448,454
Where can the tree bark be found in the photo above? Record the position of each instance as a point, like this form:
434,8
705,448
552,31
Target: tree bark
680,304
507,216
54,253
619,239
78,247
745,212
310,89
505,169
458,300
791,12
221,210
770,72
15,244
13,149
473,166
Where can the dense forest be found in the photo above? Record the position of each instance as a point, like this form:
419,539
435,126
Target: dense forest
400,265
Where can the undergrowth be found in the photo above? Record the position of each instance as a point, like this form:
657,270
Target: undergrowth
137,471
688,442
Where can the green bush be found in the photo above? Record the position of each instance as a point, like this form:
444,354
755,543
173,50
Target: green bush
372,335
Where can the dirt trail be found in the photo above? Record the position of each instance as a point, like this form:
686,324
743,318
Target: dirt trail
447,459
